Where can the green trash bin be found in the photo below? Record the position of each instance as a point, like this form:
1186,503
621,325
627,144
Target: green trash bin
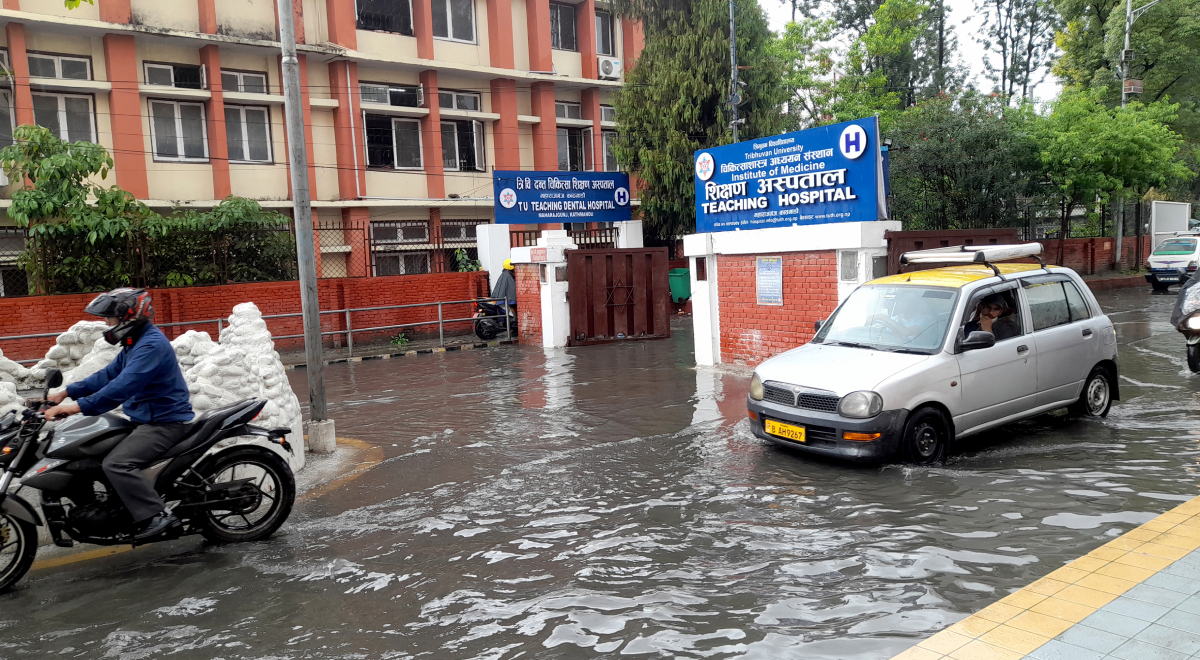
681,284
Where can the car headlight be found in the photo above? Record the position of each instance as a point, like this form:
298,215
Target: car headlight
1193,322
756,388
860,405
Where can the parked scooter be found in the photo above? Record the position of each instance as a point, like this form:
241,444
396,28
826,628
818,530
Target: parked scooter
1186,319
490,319
240,493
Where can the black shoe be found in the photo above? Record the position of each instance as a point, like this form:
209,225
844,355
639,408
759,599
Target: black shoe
157,525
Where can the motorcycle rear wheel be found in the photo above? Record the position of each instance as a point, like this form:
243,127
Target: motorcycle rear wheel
1193,357
269,507
486,330
18,546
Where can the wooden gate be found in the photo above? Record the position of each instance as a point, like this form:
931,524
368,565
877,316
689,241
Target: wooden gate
618,294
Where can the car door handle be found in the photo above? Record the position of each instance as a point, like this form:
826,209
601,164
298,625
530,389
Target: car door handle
1022,349
1087,332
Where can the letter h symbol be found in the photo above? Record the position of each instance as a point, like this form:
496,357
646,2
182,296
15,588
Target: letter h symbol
852,142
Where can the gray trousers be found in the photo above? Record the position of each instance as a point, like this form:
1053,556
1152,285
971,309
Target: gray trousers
124,464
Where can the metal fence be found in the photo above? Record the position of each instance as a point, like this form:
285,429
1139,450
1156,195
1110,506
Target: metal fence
344,318
593,238
1036,219
39,266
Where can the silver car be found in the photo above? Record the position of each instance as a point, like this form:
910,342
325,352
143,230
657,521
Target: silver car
909,362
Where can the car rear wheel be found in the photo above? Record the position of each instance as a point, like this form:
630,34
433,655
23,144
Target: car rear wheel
926,437
1096,398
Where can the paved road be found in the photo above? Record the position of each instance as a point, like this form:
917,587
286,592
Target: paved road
610,501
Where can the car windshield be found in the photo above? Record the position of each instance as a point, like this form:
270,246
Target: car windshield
891,318
1177,246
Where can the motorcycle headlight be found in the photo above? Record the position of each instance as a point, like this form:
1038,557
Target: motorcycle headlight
860,405
1193,322
756,388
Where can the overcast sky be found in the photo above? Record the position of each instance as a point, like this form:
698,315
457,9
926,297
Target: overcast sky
962,17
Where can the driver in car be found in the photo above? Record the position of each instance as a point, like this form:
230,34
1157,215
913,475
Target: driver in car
994,315
145,379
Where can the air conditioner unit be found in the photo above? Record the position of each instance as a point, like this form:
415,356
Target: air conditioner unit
610,68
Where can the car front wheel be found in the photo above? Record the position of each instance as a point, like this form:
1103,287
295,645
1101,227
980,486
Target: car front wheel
1096,398
926,437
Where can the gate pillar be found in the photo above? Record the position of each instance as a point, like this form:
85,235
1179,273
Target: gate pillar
554,311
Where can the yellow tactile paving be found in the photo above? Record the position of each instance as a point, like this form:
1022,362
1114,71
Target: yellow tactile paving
1022,621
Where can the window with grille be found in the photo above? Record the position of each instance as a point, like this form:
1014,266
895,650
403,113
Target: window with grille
177,131
399,232
604,33
462,146
454,20
244,81
405,96
68,116
385,16
185,76
393,142
608,113
6,117
460,231
459,100
44,65
248,133
562,27
406,263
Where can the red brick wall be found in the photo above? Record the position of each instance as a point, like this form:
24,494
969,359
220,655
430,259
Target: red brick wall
751,333
529,303
42,314
1088,256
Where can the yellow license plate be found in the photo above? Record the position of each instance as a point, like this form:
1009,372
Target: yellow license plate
794,433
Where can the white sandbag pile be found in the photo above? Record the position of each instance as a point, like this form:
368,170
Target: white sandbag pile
12,372
69,349
243,365
101,354
9,399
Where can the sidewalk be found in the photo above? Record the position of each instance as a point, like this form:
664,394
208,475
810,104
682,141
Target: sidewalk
1135,597
1111,279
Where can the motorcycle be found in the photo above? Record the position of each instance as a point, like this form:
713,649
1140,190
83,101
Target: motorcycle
491,319
1186,319
239,493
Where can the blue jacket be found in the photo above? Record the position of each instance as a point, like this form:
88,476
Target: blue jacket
145,377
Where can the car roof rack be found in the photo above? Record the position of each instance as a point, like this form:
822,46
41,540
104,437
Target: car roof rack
970,254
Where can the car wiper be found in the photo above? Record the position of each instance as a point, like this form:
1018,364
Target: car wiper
851,344
910,351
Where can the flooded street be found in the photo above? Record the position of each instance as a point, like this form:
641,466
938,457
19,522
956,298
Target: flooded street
610,501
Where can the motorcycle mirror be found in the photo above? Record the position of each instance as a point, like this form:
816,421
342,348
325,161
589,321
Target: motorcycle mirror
54,378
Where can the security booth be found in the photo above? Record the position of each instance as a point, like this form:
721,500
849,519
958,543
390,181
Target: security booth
788,226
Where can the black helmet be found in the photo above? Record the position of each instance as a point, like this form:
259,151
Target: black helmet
131,307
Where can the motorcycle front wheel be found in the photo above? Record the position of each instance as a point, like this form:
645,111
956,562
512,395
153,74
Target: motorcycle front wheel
1193,357
259,505
18,545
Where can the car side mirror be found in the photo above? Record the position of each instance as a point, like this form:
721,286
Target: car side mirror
817,325
977,340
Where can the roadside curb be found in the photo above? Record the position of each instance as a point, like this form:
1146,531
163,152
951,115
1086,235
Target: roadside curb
400,354
1109,283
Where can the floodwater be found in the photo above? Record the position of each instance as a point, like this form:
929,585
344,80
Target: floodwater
609,501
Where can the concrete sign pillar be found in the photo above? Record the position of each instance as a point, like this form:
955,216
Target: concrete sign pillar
494,243
757,293
549,255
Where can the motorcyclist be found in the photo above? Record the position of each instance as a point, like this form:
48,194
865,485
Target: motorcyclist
145,379
506,285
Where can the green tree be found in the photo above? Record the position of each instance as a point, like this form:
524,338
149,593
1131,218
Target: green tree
1020,36
1089,151
674,101
961,163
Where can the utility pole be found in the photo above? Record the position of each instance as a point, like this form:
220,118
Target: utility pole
1131,15
321,436
734,97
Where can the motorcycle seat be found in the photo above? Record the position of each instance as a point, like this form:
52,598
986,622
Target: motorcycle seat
202,426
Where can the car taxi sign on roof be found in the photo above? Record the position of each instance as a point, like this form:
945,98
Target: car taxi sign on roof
970,254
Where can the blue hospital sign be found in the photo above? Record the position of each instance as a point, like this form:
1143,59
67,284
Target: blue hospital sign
551,197
821,175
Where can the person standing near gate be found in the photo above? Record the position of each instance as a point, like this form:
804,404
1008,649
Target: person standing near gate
506,286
